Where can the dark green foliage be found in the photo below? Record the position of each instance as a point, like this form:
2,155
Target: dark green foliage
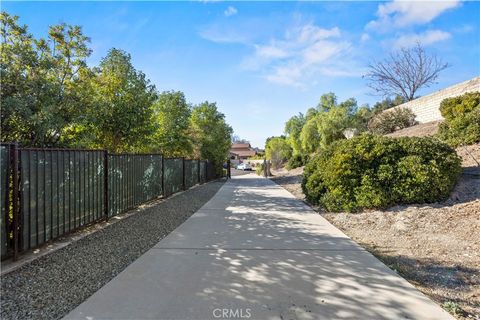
210,133
172,136
42,81
259,169
51,98
392,120
387,103
462,119
297,160
278,151
371,171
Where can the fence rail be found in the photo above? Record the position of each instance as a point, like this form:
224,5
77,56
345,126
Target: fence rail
48,193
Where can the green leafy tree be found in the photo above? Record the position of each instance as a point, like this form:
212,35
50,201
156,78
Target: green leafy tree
119,117
329,123
311,113
278,151
211,134
387,103
309,136
41,81
361,118
327,101
172,120
293,130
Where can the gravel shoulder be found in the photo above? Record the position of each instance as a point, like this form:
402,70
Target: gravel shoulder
54,284
436,247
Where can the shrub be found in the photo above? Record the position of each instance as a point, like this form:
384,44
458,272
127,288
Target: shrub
392,120
259,169
297,160
278,151
453,308
462,119
371,171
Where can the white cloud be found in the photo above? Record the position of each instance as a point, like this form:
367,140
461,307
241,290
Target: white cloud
304,51
226,35
425,38
230,11
398,13
465,28
271,51
322,51
308,33
286,75
365,37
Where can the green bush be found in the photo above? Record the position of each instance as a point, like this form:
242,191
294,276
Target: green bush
297,160
371,171
392,120
462,119
259,169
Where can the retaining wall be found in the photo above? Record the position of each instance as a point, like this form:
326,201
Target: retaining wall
427,108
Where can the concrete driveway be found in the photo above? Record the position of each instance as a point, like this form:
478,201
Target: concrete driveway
256,252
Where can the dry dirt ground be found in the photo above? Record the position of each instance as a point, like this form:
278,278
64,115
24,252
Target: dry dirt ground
419,130
436,247
469,154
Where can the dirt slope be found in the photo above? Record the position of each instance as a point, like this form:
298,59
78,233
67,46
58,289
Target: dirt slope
436,247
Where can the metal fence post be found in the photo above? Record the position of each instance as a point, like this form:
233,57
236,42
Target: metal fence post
229,169
184,185
15,199
198,171
163,176
206,170
105,183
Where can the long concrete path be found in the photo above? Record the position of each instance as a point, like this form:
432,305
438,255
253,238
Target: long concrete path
256,252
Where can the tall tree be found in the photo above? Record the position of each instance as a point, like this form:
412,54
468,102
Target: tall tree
238,139
360,119
172,120
332,123
328,122
293,130
211,134
120,115
278,151
387,103
404,72
327,101
41,81
309,136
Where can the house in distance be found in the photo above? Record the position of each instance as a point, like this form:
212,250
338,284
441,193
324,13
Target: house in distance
242,151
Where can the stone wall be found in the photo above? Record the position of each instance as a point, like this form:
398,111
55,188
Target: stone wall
427,108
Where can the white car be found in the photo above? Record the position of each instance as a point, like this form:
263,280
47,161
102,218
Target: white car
244,167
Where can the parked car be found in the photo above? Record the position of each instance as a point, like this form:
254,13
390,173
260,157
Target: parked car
244,167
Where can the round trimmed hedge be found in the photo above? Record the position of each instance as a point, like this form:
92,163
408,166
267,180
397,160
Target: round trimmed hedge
462,119
371,171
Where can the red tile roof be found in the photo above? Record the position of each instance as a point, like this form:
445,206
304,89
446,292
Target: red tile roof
236,146
245,153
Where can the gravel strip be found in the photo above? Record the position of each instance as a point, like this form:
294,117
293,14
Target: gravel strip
53,285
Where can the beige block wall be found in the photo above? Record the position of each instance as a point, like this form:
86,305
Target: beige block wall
427,108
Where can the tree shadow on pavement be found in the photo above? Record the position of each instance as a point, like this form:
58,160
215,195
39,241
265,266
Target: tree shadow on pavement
269,253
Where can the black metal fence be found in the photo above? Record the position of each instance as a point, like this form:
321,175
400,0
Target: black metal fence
48,193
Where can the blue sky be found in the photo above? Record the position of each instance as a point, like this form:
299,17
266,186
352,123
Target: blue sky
263,62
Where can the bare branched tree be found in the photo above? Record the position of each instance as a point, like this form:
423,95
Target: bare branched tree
404,72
